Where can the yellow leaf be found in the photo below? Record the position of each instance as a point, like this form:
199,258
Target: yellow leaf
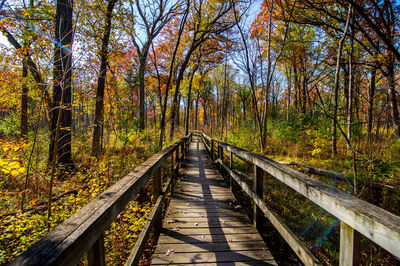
14,173
14,165
22,170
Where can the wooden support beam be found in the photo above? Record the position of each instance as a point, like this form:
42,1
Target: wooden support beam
156,193
231,167
177,159
96,255
221,156
258,187
349,245
212,150
172,164
172,173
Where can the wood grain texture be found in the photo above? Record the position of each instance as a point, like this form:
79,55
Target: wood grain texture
204,223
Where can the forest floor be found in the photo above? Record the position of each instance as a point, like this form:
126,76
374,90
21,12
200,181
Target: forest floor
19,229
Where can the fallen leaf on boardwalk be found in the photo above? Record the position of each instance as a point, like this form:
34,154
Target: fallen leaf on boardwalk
196,224
203,236
238,207
176,229
230,240
170,252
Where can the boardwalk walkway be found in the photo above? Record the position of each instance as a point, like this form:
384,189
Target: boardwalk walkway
204,223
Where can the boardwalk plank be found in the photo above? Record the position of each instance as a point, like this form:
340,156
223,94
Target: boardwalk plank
207,257
215,247
225,238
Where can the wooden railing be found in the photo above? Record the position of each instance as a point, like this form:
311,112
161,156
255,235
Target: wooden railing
355,215
83,232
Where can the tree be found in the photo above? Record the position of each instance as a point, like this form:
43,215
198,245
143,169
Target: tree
207,21
336,85
99,111
61,112
154,15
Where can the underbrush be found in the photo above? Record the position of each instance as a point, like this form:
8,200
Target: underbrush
21,227
308,142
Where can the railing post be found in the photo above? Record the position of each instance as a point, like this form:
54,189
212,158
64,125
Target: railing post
156,193
172,173
221,156
172,163
349,245
231,167
177,159
95,255
258,216
212,150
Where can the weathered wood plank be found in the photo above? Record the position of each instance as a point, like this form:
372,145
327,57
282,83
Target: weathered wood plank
224,238
206,231
214,257
214,247
231,263
241,219
96,255
258,188
349,246
204,213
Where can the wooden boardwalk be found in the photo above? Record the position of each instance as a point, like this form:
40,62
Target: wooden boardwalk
204,224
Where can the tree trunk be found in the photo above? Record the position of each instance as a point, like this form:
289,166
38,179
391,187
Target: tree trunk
189,104
205,114
171,69
142,70
196,112
393,96
24,100
371,93
351,87
296,87
336,85
289,84
62,73
304,92
101,81
244,111
174,106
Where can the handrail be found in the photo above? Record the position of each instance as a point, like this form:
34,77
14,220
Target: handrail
380,226
83,231
300,249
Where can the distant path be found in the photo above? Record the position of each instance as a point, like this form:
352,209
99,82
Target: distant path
202,224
